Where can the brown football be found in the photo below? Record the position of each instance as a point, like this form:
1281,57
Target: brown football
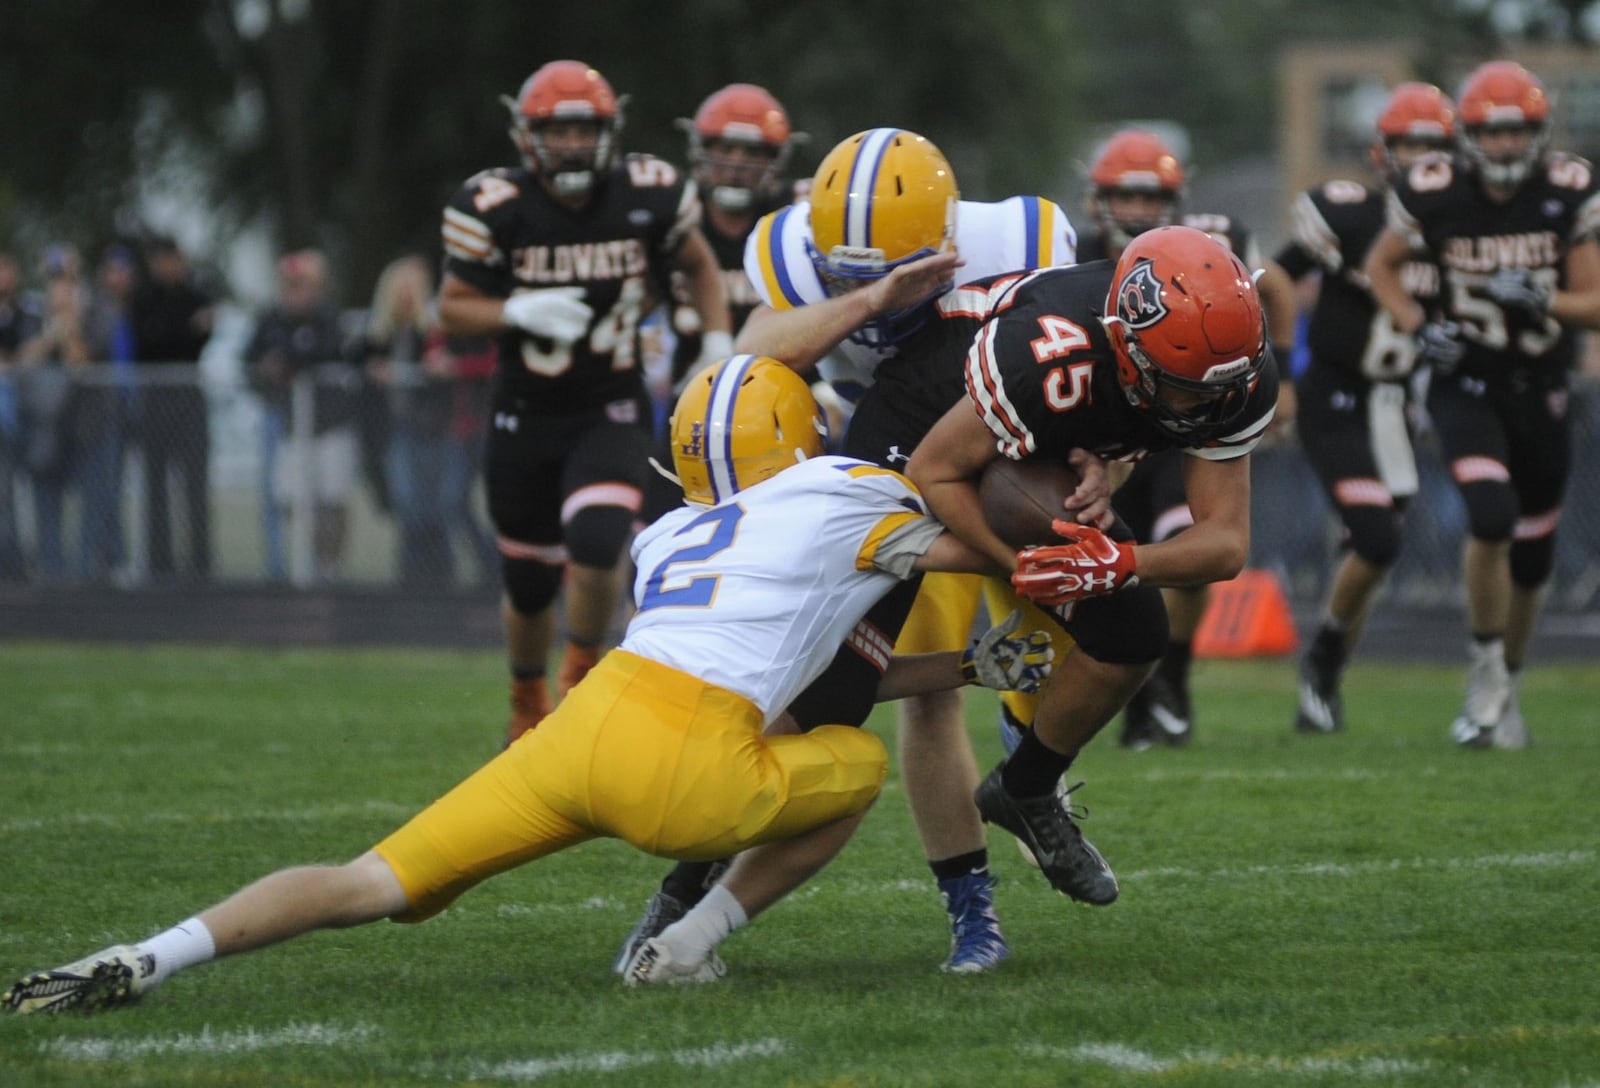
1021,498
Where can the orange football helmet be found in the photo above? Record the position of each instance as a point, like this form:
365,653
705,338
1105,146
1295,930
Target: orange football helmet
563,91
1185,322
1134,162
1417,114
739,145
1504,95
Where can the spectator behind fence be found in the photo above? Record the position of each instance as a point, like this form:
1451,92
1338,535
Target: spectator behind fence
297,336
172,320
19,320
472,361
57,414
417,376
111,390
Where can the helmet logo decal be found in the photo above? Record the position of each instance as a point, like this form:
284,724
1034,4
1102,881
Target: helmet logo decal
696,443
1139,301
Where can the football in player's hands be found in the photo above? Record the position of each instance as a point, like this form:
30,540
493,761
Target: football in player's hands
1021,499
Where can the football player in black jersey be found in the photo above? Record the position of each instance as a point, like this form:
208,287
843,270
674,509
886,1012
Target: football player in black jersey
1137,185
1164,349
1118,402
559,259
740,140
1353,395
1513,227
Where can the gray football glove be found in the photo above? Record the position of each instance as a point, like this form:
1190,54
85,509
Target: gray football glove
1005,663
1514,289
1438,348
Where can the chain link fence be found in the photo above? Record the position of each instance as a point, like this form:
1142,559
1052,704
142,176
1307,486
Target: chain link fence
165,474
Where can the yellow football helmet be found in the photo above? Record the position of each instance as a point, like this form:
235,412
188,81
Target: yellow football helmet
880,198
743,421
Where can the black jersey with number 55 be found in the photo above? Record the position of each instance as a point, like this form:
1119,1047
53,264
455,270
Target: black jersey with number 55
1440,207
504,234
1030,350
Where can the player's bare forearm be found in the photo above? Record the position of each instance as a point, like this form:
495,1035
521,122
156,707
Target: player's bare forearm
1198,556
799,338
920,674
1216,547
946,467
466,311
704,280
950,553
802,336
1382,269
1578,306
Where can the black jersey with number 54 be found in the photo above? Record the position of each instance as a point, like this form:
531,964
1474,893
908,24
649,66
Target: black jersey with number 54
504,234
1030,350
1443,208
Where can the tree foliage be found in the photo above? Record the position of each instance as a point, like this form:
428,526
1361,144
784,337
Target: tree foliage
347,123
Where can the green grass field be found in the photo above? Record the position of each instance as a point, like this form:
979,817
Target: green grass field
1374,908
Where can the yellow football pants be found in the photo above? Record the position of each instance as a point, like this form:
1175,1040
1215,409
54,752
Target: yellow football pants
643,753
1000,599
942,616
946,608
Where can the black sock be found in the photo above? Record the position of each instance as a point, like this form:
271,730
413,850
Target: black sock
1175,663
1033,769
961,865
689,881
518,673
1328,645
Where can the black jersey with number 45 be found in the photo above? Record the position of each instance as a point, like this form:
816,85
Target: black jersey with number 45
504,234
1440,206
1030,349
1333,227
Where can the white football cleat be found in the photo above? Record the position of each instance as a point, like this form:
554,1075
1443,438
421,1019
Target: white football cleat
1511,731
1467,734
1488,684
108,979
653,964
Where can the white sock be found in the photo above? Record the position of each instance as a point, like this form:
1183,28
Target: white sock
693,937
184,945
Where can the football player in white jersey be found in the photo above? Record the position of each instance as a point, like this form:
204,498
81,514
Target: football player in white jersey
845,277
744,596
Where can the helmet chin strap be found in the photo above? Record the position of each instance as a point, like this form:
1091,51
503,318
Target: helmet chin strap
666,473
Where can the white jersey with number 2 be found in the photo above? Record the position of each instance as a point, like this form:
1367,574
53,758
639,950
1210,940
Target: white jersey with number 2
756,593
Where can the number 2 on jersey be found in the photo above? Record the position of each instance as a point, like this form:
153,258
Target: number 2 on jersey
698,590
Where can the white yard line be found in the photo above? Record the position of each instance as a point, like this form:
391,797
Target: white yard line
307,814
208,1042
1555,860
620,1061
1127,1059
855,889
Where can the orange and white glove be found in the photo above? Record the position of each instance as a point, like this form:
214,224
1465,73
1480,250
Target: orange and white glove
1091,566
